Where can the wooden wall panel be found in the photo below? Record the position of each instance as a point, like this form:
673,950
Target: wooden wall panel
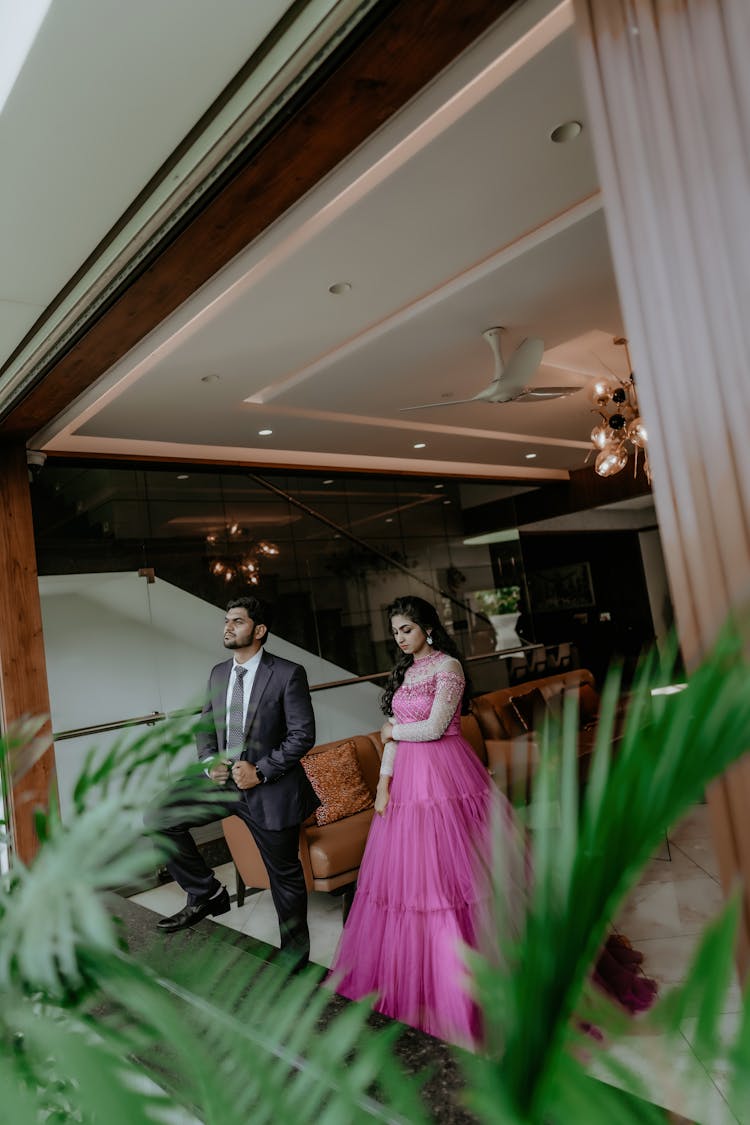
23,672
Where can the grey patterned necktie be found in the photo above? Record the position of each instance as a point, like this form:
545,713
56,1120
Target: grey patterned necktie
236,729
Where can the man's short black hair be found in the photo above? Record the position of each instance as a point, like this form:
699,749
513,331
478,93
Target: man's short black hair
258,611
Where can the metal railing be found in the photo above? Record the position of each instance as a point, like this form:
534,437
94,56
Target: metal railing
160,716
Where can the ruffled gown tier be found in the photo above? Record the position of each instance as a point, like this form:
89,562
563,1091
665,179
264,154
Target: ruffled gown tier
422,889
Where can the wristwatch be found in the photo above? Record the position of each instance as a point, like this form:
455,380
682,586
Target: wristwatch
260,775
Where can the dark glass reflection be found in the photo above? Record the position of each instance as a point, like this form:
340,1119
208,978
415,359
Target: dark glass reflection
330,550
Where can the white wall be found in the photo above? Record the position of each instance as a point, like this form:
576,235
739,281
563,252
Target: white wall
117,648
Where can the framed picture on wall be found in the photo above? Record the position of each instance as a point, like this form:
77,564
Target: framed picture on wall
560,588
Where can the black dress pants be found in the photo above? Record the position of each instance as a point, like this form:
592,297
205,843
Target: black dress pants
279,850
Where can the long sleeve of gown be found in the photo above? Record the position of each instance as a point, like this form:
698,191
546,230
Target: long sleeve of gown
449,688
388,760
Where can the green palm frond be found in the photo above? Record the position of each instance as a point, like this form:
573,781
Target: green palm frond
62,1068
135,766
103,845
584,861
88,1034
238,1042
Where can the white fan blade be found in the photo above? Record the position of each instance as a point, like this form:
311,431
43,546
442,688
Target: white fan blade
521,366
539,394
445,402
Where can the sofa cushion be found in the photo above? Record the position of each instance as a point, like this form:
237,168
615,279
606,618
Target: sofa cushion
509,718
339,846
369,752
337,779
587,699
588,705
506,723
488,720
528,706
496,717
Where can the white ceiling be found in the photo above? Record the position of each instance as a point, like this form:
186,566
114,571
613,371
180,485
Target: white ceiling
458,215
105,93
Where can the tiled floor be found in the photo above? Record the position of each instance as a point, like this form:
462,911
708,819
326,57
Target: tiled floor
663,917
257,917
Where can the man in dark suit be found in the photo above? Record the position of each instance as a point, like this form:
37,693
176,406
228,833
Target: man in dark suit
257,723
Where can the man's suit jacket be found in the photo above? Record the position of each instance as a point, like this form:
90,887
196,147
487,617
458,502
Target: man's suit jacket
279,729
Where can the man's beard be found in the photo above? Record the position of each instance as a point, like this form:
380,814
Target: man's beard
233,644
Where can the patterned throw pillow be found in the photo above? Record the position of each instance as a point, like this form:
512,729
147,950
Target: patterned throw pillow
338,782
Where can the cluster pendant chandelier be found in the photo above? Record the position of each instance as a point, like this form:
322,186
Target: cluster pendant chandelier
244,563
621,430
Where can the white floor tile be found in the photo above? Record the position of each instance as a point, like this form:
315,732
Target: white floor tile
661,869
166,899
729,1025
325,927
723,1082
238,917
225,874
671,1076
670,909
718,1067
695,825
257,916
701,852
668,958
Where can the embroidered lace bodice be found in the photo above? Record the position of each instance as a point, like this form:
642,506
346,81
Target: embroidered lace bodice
427,705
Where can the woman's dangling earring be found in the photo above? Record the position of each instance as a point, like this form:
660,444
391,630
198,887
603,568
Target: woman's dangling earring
429,639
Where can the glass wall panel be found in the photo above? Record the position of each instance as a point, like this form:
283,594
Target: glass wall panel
331,551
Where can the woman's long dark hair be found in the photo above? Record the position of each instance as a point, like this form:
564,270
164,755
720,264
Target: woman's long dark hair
424,615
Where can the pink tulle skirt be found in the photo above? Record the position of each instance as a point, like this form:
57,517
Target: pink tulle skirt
422,893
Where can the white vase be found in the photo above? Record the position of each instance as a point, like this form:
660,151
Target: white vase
504,625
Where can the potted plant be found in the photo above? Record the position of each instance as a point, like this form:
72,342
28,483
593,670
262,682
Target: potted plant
501,605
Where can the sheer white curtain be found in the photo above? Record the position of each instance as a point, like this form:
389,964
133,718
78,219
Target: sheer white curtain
3,846
668,93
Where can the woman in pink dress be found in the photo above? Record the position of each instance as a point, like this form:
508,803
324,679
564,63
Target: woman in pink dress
423,888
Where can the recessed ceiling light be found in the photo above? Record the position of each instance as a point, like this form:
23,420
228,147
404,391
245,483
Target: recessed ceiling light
210,378
529,456
330,481
446,501
183,476
340,287
264,433
568,131
439,486
420,445
389,519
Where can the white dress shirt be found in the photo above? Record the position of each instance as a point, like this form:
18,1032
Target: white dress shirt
251,667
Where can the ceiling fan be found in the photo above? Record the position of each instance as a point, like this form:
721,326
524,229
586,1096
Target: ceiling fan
510,380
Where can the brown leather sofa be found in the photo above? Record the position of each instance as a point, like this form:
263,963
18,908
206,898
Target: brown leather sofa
511,748
331,853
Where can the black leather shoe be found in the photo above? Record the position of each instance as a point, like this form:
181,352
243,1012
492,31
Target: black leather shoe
190,915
